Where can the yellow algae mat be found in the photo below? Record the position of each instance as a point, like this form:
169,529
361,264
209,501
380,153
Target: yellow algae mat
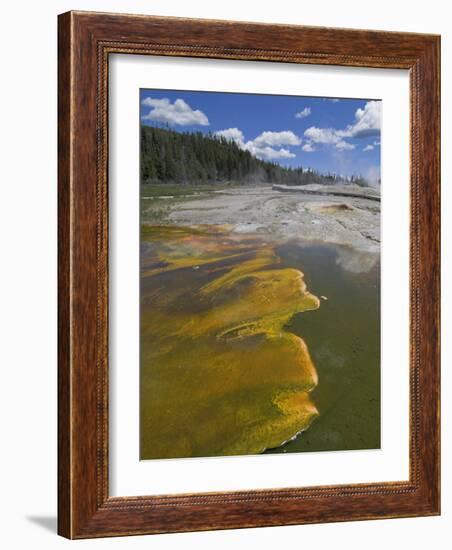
220,375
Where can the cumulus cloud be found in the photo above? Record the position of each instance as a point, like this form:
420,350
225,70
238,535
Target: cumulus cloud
367,123
322,135
327,136
344,146
304,113
232,134
268,153
286,137
177,113
266,146
368,148
308,147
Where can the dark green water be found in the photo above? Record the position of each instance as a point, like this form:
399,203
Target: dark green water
343,337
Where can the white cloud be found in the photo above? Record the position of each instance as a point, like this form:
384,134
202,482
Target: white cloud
264,145
368,148
327,136
268,153
332,99
376,144
322,135
232,134
308,147
177,113
304,113
286,137
344,146
367,121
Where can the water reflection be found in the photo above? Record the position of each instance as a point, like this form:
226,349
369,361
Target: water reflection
356,261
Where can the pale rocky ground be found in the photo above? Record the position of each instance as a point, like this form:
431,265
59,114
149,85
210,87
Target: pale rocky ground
347,220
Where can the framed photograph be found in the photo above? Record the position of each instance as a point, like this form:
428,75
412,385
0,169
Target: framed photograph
248,275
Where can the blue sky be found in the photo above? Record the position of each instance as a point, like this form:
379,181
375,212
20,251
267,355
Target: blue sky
329,135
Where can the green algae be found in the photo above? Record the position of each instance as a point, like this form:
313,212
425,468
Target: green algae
219,374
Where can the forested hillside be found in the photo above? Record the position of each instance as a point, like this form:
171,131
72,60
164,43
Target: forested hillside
192,158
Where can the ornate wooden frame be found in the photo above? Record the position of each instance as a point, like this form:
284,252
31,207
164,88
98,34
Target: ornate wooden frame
85,42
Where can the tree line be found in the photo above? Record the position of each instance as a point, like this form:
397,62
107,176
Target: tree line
168,156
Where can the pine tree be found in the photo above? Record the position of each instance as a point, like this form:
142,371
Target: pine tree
168,156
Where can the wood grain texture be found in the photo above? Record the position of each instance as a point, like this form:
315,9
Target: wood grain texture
85,42
64,295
